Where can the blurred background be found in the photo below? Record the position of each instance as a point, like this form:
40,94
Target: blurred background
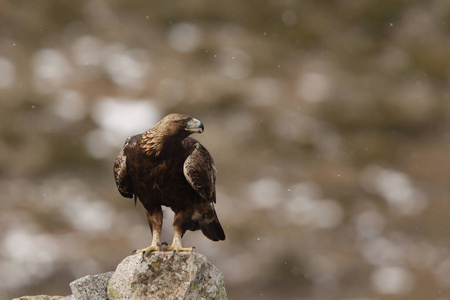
328,122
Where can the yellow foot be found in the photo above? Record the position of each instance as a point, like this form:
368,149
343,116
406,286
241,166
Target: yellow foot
146,251
177,248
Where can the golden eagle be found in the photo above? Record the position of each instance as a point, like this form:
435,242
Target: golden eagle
164,166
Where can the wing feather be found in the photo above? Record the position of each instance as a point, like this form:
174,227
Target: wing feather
200,172
123,182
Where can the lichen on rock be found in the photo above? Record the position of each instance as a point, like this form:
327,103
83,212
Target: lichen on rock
91,286
164,275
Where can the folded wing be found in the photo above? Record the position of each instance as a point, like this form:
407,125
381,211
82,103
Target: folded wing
200,172
123,182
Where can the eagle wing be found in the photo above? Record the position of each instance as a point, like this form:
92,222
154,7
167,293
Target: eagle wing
123,182
200,172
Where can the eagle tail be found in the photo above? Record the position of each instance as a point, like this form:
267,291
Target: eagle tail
125,194
212,229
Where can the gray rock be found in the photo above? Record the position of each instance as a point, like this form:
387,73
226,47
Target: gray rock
163,275
91,287
45,297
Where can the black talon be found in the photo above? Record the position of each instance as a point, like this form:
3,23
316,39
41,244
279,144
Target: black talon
193,248
134,251
163,246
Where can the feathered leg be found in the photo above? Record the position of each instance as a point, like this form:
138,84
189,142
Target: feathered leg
179,230
155,218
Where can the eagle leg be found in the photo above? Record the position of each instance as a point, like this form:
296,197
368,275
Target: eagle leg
176,243
154,217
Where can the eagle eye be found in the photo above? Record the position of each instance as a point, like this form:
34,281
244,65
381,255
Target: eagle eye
183,122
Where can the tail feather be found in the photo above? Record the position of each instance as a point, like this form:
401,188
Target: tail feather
212,229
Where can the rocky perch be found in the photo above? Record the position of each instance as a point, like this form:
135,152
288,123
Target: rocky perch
162,275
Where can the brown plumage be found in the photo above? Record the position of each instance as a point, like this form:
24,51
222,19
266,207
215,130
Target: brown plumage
165,167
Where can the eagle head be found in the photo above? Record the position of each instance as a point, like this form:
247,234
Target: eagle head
172,128
181,125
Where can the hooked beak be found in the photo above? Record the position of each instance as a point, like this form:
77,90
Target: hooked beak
195,125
